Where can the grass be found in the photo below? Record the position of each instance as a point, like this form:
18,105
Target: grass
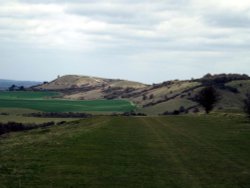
27,94
42,101
69,105
24,119
170,106
180,151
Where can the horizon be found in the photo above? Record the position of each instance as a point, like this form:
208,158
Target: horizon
115,78
40,39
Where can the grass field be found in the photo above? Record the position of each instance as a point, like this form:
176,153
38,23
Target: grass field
177,151
42,101
27,94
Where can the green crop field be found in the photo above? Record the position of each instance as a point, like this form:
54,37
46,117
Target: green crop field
27,94
174,151
42,101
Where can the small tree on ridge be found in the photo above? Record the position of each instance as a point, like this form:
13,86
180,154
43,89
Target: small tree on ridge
207,98
247,105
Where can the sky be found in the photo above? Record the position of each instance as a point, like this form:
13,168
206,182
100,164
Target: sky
143,40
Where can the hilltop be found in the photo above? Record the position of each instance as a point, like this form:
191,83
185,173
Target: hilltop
88,88
74,82
165,97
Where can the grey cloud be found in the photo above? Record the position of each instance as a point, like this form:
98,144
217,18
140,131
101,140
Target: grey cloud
136,31
121,13
228,19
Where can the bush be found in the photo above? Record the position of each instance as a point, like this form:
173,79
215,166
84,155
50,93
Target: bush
60,115
132,113
176,112
4,114
16,127
151,96
144,97
182,109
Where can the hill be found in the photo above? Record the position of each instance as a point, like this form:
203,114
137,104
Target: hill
166,97
75,82
5,84
88,88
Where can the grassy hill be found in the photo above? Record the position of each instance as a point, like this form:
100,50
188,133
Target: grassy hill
155,99
75,82
174,151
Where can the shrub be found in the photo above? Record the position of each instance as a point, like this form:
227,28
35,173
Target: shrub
151,96
176,112
144,97
181,109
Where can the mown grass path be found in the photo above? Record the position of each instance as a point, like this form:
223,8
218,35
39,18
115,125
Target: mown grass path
181,151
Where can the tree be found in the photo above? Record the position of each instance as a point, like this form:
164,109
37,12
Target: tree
247,105
207,98
21,88
12,88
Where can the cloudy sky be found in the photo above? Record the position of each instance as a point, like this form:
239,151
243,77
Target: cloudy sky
144,40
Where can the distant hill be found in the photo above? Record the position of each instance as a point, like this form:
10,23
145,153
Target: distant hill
75,82
5,84
165,97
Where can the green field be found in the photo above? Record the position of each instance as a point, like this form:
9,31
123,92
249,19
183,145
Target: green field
177,151
27,94
42,101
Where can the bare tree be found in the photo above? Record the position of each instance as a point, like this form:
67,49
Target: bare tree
207,98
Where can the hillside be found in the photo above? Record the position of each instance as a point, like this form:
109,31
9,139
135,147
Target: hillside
155,99
88,88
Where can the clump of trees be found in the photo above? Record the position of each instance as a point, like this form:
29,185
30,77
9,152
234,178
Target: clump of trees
207,98
247,105
132,113
222,78
16,127
16,88
60,115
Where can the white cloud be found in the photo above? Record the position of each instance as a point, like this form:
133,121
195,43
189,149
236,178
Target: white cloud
146,29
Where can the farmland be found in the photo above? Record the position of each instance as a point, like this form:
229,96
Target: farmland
47,102
174,151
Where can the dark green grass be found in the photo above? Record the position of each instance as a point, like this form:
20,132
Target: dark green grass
42,101
52,105
27,94
130,152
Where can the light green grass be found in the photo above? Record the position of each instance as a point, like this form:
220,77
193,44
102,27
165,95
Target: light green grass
242,85
27,94
170,106
69,105
172,152
41,101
